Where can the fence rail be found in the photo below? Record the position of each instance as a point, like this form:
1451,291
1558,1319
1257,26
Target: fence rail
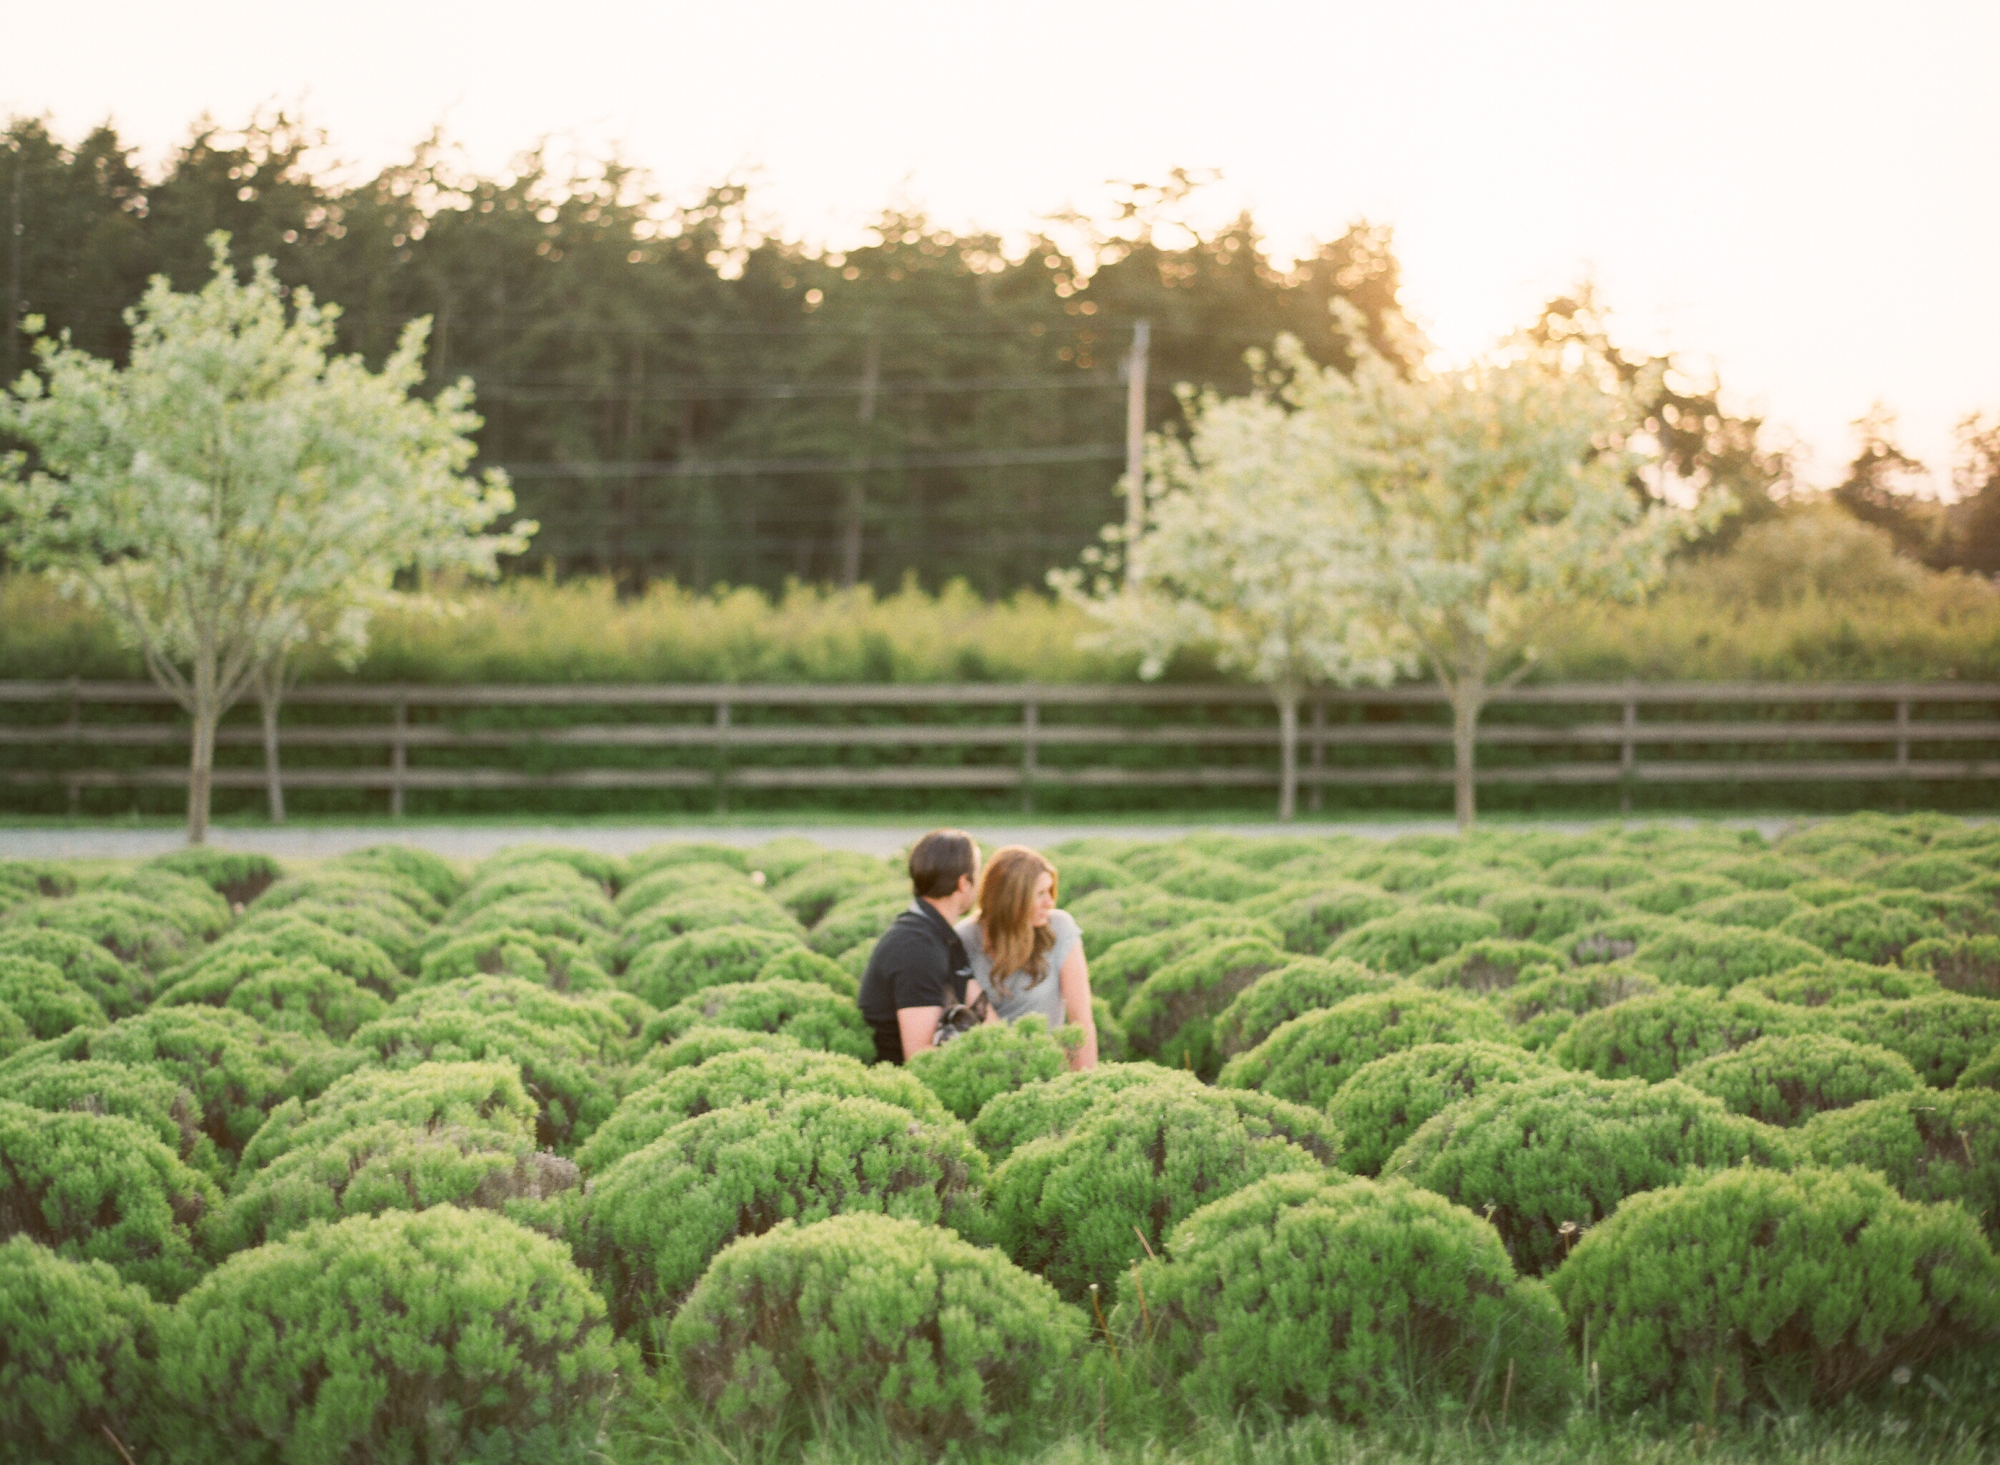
78,735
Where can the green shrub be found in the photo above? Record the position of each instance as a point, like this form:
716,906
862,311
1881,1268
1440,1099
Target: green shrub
746,1076
22,880
1307,1294
198,911
700,910
653,1221
880,1318
73,1342
283,936
120,989
1669,895
381,890
398,936
1785,1081
1615,938
1294,989
1968,964
677,880
427,1096
677,968
1693,954
138,932
435,1335
1408,940
1928,871
1829,982
832,876
1079,1207
1932,1147
1116,972
1837,841
1971,911
1112,916
93,1187
1468,888
994,1058
690,852
1825,891
157,1102
511,951
798,964
1201,878
1759,910
1172,1016
237,878
1489,965
699,1044
1403,870
1779,1290
1655,1036
781,858
567,1048
1309,923
1080,875
429,873
1761,871
1859,930
236,1069
1941,1034
1982,1073
1307,1059
1146,858
1539,1155
607,872
544,883
806,1012
1385,1102
1542,1008
1597,872
860,917
298,995
48,1003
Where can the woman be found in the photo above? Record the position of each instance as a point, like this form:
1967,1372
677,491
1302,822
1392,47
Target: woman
1027,956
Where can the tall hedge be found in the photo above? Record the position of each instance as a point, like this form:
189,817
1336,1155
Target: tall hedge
1749,1286
1546,1153
433,1335
1409,940
73,1343
652,1221
1655,1036
677,968
1172,1017
1306,985
1930,1146
1786,1081
1309,1058
1385,1102
806,1012
994,1058
1307,1294
876,1317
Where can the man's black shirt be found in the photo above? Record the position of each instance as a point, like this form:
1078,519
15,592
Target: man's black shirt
919,962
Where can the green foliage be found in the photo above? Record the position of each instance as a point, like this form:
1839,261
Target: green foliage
381,922
652,1221
1657,1035
1668,895
1308,924
119,988
1859,930
137,931
830,877
1829,982
1597,872
1982,1073
1080,1206
544,882
1080,875
1824,891
1470,887
1614,938
1759,910
94,1187
190,904
376,887
1940,1033
861,917
861,1313
1968,964
1116,972
156,1101
1780,1290
1539,1155
1542,1008
1927,871
1786,1081
1112,916
994,1058
428,1096
806,1012
1761,871
1930,1146
607,872
677,968
1172,1016
703,909
699,1044
1408,940
1386,1101
748,1076
428,872
677,879
781,858
238,878
1294,989
1305,1294
439,1334
1692,954
798,964
298,994
286,936
47,1003
1201,878
73,1340
1307,1059
1489,965
686,852
554,919
26,879
510,951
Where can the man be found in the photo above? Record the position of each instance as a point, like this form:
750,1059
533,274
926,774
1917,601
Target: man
920,967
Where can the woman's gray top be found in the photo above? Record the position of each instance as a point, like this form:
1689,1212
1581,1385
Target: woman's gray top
1042,994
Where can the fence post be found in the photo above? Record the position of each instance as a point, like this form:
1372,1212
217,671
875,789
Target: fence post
1316,753
1902,735
1031,721
1628,751
74,733
722,757
399,756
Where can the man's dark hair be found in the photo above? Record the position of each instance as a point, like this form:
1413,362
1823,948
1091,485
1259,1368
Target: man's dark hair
939,859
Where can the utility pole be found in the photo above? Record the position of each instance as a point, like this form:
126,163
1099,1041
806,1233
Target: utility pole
1135,440
852,505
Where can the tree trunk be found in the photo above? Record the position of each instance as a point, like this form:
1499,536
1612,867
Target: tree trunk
1288,750
1465,699
201,764
270,694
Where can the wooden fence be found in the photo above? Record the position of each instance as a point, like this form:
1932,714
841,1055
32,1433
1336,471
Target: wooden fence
400,739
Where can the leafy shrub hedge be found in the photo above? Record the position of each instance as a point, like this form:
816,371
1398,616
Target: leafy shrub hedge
73,1343
799,964
281,936
994,1058
1074,1207
1928,871
806,1012
158,1102
833,876
199,912
1469,887
297,995
1696,954
607,872
1172,1016
24,880
1782,1290
1539,1155
653,1220
1112,916
383,890
1761,871
1941,1034
428,872
1294,989
1968,964
688,852
1202,878
1930,1146
1668,895
93,1187
1830,982
1758,910
859,918
439,1334
1543,913
1307,1294
1786,1081
1655,1036
47,1003
512,951
550,882
1597,872
1309,923
672,881
1307,1059
701,1043
1983,1073
238,878
672,970
1385,1101
1408,940
1116,972
1859,930
1614,938
119,988
397,935
856,1314
1540,1009
1080,875
426,1096
1489,965
136,931
554,919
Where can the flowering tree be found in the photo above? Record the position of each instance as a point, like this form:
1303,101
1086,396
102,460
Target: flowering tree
235,492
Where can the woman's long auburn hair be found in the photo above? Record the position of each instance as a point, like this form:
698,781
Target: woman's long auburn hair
1014,944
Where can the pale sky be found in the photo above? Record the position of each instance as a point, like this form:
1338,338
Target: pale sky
1803,193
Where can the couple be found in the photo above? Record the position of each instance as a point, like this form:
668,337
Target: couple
1017,956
